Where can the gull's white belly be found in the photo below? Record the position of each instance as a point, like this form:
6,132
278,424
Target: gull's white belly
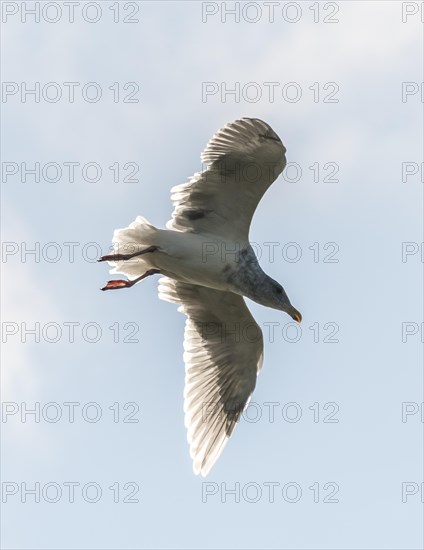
199,259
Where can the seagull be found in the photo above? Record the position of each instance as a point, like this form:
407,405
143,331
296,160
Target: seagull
207,266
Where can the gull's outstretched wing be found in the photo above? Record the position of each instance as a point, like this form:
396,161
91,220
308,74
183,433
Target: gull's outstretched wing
243,159
223,349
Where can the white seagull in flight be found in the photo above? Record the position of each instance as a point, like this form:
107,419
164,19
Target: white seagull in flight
208,266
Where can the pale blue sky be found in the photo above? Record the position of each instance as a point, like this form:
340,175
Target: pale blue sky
368,213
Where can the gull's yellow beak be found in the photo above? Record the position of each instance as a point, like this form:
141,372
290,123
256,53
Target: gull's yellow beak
296,315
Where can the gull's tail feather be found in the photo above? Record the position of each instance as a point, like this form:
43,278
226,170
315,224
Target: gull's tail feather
139,235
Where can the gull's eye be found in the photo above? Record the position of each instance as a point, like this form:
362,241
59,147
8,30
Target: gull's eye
278,290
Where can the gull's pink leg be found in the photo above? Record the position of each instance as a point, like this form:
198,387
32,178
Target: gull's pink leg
123,257
116,284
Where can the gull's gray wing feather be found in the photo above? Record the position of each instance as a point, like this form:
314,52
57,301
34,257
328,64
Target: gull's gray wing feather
243,159
223,350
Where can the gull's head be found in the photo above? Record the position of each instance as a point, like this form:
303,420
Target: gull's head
282,302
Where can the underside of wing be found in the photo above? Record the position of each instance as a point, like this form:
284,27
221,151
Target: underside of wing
223,349
243,159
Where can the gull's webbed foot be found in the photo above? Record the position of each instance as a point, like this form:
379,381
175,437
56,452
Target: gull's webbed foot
117,284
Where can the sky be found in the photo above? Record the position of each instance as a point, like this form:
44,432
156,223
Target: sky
125,96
